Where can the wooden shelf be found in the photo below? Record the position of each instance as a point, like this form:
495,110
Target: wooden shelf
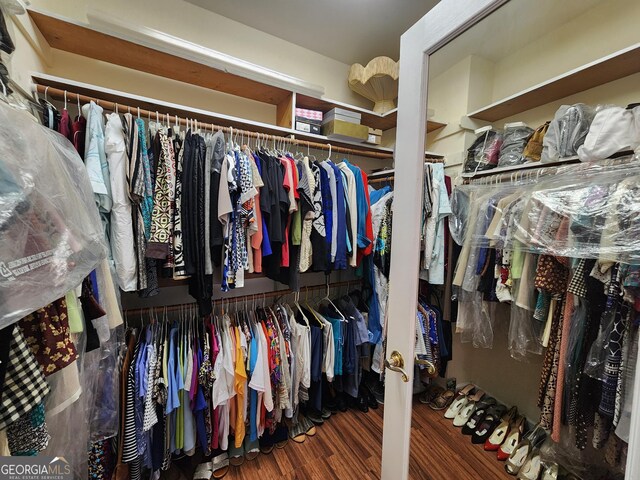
521,167
201,115
604,70
370,118
86,41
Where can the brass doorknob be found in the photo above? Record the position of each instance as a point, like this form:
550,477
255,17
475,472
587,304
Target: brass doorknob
431,368
396,364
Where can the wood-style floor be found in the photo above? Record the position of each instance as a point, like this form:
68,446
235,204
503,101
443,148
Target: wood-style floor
349,445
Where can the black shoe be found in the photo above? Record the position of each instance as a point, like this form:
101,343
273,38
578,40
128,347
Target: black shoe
341,403
361,404
315,417
371,399
331,405
378,393
326,413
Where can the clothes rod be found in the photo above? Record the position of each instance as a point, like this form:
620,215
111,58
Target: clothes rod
229,300
168,118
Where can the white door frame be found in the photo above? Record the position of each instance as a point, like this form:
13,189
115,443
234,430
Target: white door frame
443,23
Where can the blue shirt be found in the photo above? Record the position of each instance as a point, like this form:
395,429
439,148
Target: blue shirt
327,207
341,251
362,207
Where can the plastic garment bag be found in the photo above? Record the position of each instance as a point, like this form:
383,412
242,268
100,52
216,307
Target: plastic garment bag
50,232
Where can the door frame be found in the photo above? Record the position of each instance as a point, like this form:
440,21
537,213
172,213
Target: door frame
443,23
440,25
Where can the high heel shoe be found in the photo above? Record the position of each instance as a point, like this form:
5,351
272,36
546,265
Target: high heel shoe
463,415
551,472
500,433
488,424
531,440
532,466
516,430
458,404
474,420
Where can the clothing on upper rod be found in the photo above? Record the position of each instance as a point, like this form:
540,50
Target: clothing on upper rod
176,121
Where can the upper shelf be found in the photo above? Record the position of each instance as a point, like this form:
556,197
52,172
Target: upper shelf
86,41
163,107
370,118
521,167
604,70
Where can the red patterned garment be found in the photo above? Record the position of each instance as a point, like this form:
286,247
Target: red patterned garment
47,333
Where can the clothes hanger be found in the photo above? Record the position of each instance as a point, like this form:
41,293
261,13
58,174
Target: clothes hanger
306,303
297,305
326,297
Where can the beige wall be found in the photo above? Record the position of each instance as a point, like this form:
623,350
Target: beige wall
206,28
610,26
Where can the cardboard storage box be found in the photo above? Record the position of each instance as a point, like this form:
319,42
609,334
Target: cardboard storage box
374,139
341,130
312,115
304,125
342,115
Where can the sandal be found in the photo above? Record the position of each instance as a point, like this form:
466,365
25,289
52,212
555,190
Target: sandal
282,444
296,433
236,455
443,400
308,427
252,449
203,471
430,394
266,450
459,403
220,465
465,413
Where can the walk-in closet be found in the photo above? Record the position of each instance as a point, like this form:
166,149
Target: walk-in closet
387,240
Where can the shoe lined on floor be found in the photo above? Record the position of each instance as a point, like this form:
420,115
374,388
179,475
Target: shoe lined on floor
326,413
443,400
315,416
474,421
532,466
465,413
516,430
371,398
501,431
203,471
430,394
531,440
236,455
551,471
489,423
459,403
220,465
251,449
378,392
341,402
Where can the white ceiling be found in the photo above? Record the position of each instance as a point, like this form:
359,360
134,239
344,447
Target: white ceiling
351,31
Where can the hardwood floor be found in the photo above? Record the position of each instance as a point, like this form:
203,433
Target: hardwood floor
349,445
